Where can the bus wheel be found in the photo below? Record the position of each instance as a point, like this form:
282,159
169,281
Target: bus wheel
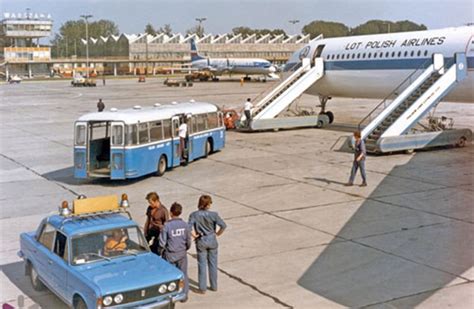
161,166
208,149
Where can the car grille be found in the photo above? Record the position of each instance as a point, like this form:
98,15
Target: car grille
146,293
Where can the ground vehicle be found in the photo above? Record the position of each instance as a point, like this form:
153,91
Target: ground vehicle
70,254
14,80
80,81
121,144
202,76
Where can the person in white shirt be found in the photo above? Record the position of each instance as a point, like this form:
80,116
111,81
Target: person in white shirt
248,111
183,134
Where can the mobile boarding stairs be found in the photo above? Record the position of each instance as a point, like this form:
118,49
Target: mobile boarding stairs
266,110
390,126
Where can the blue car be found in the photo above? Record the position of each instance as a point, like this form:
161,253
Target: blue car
99,260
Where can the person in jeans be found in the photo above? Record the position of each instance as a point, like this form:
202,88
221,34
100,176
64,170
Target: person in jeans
203,224
359,160
156,216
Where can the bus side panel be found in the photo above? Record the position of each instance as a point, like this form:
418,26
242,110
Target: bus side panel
144,160
218,138
80,163
117,164
199,144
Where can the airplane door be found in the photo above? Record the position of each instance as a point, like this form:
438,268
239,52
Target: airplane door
317,53
175,141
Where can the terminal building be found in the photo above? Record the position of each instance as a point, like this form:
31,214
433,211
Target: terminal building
20,42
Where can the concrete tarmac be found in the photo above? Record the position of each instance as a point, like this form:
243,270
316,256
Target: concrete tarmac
296,237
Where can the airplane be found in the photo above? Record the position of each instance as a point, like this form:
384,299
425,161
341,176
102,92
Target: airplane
372,66
220,66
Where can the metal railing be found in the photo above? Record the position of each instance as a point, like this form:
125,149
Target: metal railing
372,114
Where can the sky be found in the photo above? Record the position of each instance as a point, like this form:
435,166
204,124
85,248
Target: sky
223,15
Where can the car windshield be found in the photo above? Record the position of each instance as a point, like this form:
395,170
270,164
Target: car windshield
108,244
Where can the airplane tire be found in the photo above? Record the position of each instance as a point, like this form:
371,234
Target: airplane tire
330,116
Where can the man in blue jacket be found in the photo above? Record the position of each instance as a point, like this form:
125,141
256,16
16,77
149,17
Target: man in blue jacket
175,239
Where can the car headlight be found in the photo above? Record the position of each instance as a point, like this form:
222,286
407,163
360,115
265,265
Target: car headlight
107,300
172,286
118,298
163,288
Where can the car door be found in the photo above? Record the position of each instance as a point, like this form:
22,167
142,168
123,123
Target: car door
59,265
43,255
175,141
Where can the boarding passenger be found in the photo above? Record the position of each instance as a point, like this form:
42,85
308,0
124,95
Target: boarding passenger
203,224
359,160
157,215
100,106
248,111
175,239
183,135
116,243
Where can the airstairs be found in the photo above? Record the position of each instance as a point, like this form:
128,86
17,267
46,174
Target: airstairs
266,110
389,126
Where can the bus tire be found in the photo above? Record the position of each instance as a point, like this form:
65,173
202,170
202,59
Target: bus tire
208,148
162,165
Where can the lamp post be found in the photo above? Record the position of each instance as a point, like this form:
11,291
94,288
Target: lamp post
294,22
86,18
200,20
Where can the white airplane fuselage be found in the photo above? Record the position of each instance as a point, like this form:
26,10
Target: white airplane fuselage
372,66
220,66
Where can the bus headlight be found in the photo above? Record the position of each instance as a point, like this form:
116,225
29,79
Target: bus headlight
163,288
107,300
172,286
118,298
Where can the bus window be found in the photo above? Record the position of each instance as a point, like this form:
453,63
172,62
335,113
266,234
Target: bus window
117,135
156,131
80,135
201,122
99,130
143,137
131,136
166,128
212,121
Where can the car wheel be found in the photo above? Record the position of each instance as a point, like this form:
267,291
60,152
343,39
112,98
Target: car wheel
35,280
80,304
161,166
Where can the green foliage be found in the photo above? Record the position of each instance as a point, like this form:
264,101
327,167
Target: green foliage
150,29
246,31
166,29
68,41
327,28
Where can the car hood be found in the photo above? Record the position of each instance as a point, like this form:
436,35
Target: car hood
130,273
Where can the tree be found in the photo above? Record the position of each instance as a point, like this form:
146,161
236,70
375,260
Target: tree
246,31
327,28
68,41
150,29
385,26
166,29
198,30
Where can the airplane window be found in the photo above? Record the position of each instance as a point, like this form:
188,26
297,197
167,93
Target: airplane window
412,53
381,55
405,54
337,57
342,56
358,55
375,55
393,54
369,55
387,54
353,56
363,55
399,54
426,53
419,53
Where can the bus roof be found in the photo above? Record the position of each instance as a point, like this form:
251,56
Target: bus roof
150,113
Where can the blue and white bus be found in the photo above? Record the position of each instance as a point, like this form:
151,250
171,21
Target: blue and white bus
129,143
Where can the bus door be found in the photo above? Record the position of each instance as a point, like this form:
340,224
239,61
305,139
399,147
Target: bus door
175,141
81,161
189,146
117,151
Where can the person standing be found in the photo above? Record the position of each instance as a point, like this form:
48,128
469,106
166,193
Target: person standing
359,160
248,106
156,216
203,224
183,134
175,239
100,106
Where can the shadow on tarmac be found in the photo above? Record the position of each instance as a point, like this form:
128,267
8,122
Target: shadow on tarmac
374,269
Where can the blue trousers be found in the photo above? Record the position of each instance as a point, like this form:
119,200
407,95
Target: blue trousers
356,165
182,264
207,258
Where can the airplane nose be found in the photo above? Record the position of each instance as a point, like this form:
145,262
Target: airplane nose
272,69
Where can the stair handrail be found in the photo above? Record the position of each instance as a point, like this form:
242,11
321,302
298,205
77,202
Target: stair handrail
384,101
279,86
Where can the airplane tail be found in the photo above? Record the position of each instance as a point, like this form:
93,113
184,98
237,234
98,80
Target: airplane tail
194,52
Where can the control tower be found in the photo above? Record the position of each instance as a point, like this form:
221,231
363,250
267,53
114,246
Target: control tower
20,48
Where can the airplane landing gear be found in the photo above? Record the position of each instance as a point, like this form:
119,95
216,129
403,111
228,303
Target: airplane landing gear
329,114
247,78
